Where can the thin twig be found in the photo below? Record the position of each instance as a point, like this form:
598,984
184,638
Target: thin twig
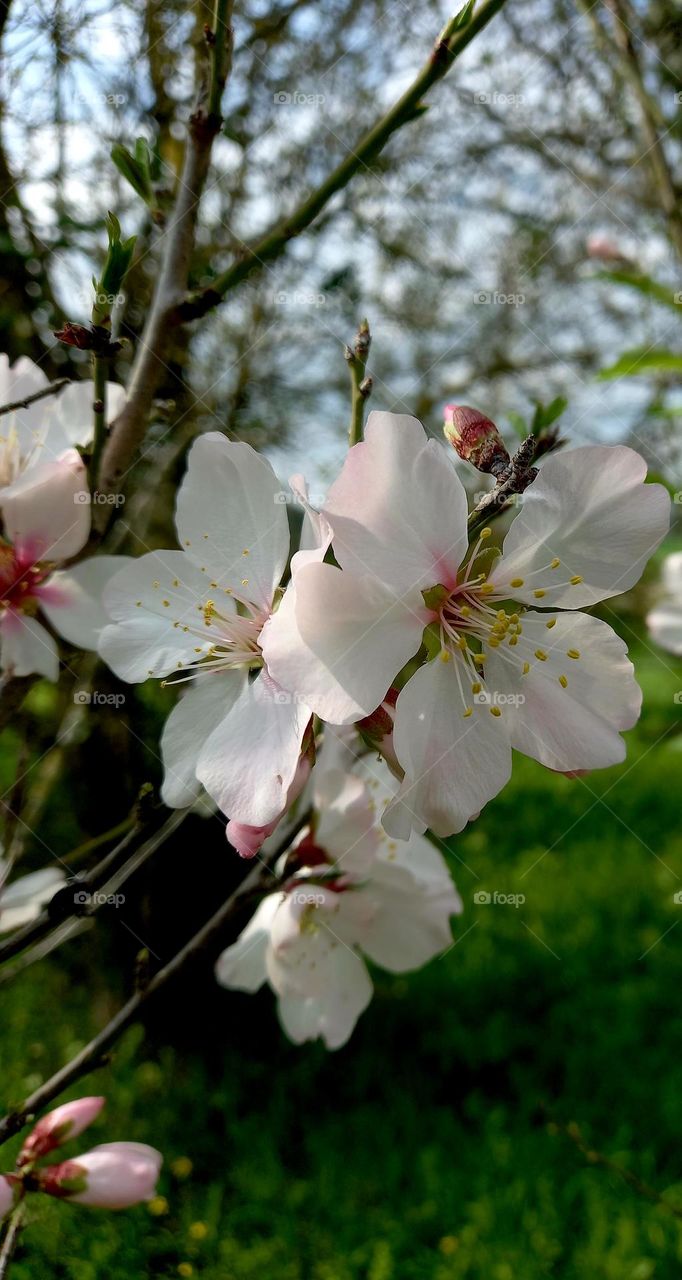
50,390
11,1240
361,387
129,427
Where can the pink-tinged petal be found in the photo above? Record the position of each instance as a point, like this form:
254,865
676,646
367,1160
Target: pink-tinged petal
59,1126
567,711
398,509
157,603
72,600
46,511
454,764
231,517
202,705
412,924
589,510
342,640
665,625
246,839
26,648
116,1175
250,760
7,1197
242,965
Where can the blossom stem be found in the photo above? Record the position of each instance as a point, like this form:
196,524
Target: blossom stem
11,1240
361,387
514,480
99,377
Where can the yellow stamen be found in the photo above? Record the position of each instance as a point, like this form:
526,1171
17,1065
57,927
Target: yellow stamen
476,688
541,655
563,681
573,653
550,624
576,579
469,712
495,711
539,594
516,582
555,563
526,668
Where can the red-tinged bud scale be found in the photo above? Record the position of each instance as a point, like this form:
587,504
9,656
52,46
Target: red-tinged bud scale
475,438
58,1127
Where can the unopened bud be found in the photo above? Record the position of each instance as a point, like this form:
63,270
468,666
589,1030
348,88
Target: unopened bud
377,731
59,1126
116,1175
8,1196
475,438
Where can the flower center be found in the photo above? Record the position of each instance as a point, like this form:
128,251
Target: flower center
227,639
20,577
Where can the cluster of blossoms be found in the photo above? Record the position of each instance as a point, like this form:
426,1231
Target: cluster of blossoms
115,1175
446,653
349,892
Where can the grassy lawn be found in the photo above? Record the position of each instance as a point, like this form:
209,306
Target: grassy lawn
424,1150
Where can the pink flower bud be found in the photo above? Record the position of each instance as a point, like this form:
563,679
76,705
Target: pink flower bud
475,438
59,1126
7,1196
113,1176
248,840
377,731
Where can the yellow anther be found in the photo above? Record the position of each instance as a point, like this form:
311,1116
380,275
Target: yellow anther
166,604
550,624
539,594
445,655
245,552
465,611
197,648
577,577
485,533
469,712
541,655
494,642
138,604
514,617
245,582
495,711
476,688
501,615
573,653
526,668
513,640
156,583
563,681
209,611
479,659
176,582
555,563
487,589
516,582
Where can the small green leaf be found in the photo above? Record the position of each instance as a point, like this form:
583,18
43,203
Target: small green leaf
633,364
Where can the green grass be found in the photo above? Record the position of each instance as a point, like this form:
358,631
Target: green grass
421,1151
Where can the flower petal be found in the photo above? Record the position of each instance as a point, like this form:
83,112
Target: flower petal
342,640
26,648
156,602
72,599
590,510
453,764
198,711
249,761
232,517
398,508
573,708
411,924
665,625
242,965
46,511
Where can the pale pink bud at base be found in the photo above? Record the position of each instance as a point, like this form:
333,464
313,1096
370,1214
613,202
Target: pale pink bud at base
7,1197
248,840
116,1175
59,1126
475,438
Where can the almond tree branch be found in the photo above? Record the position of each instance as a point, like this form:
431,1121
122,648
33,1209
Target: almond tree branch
170,310
128,428
94,1053
50,390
